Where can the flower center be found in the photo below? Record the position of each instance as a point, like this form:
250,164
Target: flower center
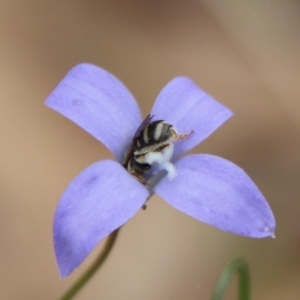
152,144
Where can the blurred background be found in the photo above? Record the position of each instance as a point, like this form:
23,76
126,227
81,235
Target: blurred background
244,53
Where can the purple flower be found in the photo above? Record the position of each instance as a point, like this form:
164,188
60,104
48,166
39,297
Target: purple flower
104,196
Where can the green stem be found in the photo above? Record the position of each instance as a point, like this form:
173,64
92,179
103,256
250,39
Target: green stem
237,265
79,284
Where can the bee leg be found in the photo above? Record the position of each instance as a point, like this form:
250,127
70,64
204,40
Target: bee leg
183,136
140,178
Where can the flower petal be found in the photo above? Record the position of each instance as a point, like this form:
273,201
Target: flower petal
217,192
99,103
99,200
184,105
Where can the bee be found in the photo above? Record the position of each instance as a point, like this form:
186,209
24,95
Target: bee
152,143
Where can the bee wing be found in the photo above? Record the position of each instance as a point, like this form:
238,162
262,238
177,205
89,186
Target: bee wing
137,133
142,126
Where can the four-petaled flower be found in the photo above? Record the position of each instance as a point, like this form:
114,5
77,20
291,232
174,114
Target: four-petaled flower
104,196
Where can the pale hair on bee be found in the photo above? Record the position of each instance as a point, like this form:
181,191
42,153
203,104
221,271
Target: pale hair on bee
152,144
